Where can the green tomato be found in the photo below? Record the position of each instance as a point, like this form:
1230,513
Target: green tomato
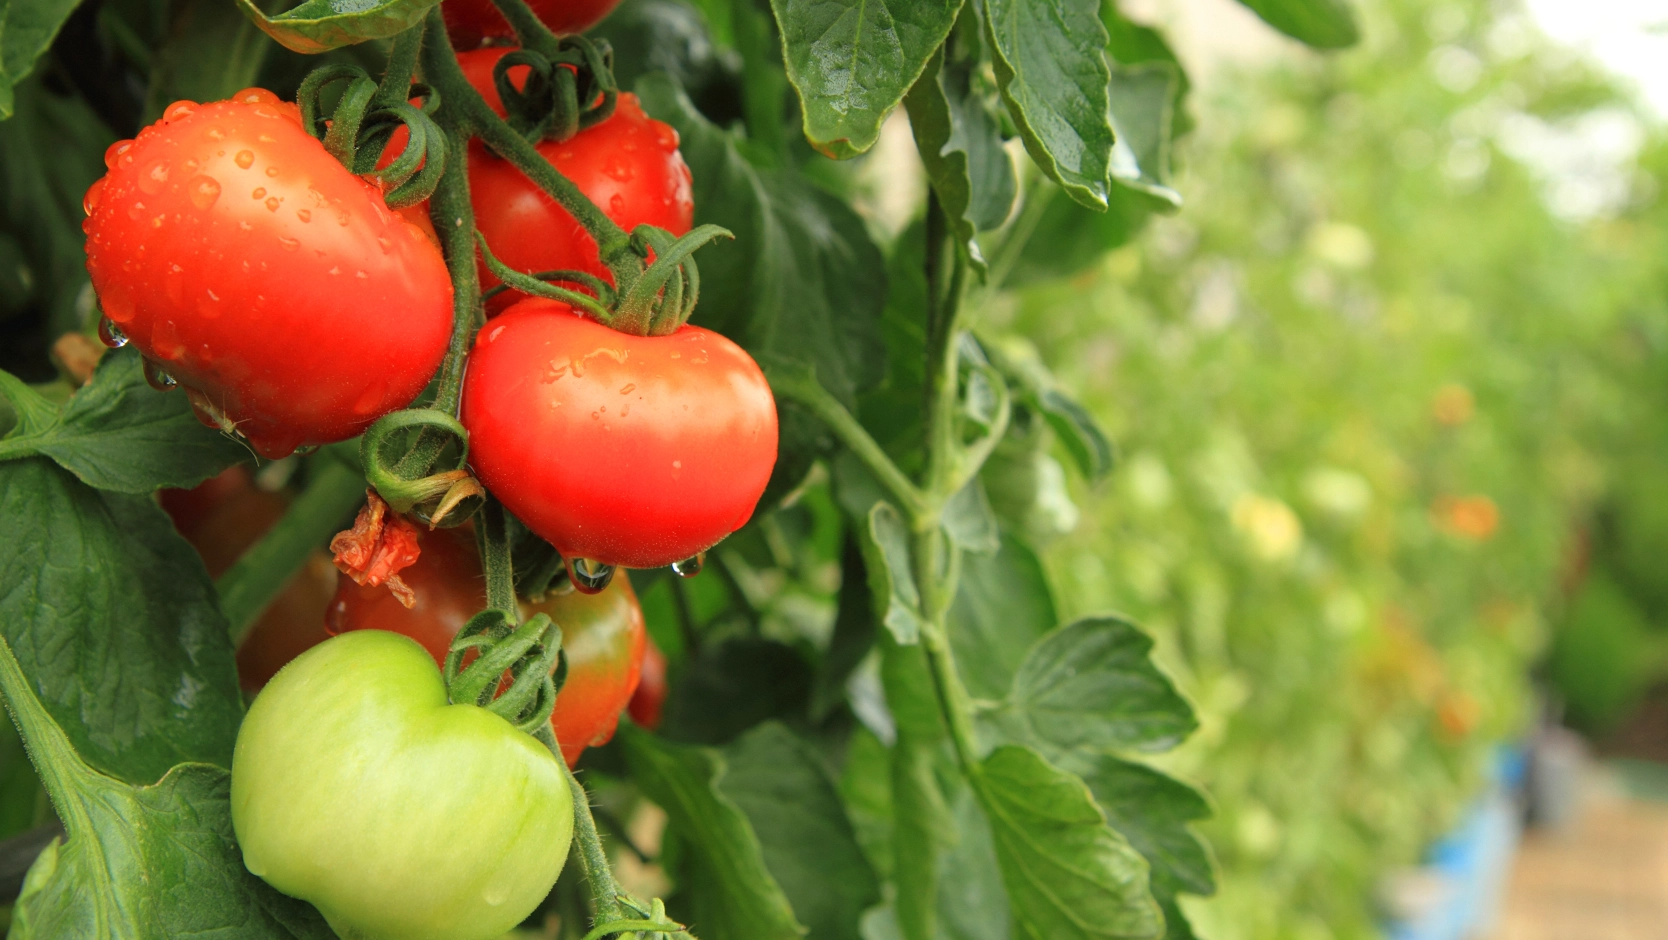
355,786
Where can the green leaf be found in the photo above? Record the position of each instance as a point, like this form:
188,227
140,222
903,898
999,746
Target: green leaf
1092,685
852,61
970,522
27,28
113,619
1153,810
1068,238
1069,875
961,147
1131,43
735,895
885,542
118,433
321,25
972,903
809,844
1143,104
1036,388
733,686
802,280
212,52
1324,24
1051,67
854,631
1003,606
150,862
921,827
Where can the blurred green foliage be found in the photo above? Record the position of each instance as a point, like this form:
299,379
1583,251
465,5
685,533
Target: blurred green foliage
1371,389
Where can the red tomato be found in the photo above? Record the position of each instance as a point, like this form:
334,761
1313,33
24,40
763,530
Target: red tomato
471,22
629,165
221,518
603,634
637,451
650,697
276,286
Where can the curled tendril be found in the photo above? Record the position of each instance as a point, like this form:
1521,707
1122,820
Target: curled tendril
400,453
538,287
568,87
661,300
363,121
531,655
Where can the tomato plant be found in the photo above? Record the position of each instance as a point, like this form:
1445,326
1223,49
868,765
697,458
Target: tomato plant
602,633
353,752
248,265
639,451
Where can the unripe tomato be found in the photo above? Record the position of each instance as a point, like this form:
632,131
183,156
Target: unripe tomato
471,22
636,451
251,267
356,787
629,165
603,633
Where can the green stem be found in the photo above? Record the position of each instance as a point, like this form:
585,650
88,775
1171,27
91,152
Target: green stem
395,87
801,387
318,513
946,286
454,220
493,532
605,891
530,31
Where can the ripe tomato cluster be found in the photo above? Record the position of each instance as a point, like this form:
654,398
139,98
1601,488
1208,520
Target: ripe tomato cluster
295,307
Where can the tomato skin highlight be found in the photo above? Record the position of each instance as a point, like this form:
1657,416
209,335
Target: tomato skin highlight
603,634
471,22
628,165
273,284
356,787
635,451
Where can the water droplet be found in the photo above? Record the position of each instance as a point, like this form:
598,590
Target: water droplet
152,179
110,334
89,202
115,150
245,226
620,170
215,133
387,245
136,211
204,191
616,203
290,244
335,619
259,192
496,894
255,96
590,577
157,222
190,166
272,203
689,567
667,138
304,215
628,388
158,379
179,110
266,112
244,159
271,171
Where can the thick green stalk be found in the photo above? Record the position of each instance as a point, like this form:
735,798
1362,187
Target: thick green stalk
605,891
318,513
495,558
530,31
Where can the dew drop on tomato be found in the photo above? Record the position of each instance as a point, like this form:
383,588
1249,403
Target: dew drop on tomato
589,577
158,379
244,159
689,567
110,334
178,110
616,203
204,191
89,202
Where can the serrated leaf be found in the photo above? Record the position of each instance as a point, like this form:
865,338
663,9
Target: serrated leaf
112,617
1092,685
809,844
1050,63
1324,24
152,862
1003,606
117,433
321,25
885,542
1152,810
1069,875
735,896
27,28
852,61
961,147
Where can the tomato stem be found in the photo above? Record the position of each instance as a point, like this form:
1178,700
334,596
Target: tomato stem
493,533
606,893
